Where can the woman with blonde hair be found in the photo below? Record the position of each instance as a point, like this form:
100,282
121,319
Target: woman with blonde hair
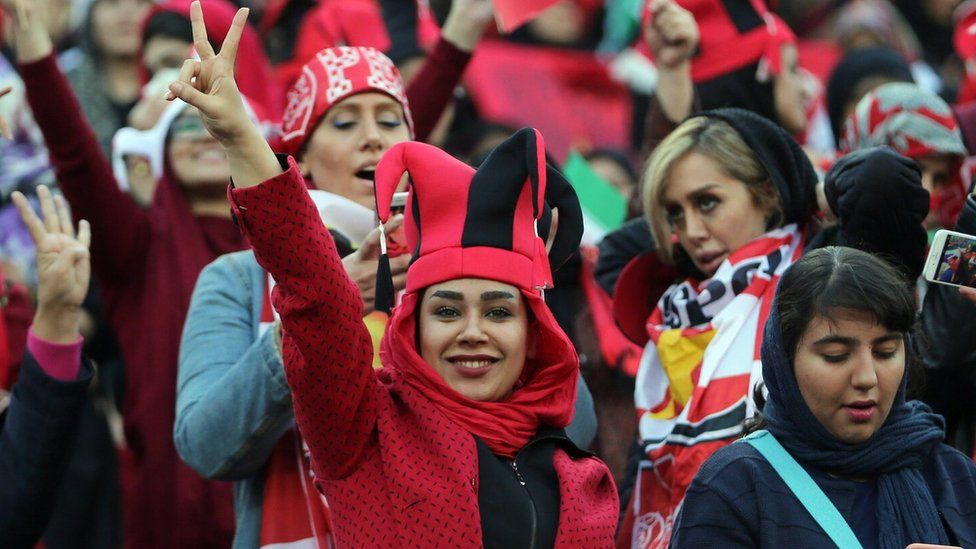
730,198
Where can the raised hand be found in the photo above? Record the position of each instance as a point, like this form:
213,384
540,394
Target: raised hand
361,264
467,22
672,33
63,265
208,83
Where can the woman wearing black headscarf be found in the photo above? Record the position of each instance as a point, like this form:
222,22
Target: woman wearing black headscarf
835,359
730,198
859,72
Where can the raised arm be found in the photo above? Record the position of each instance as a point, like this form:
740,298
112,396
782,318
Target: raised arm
431,90
46,402
326,347
121,228
672,35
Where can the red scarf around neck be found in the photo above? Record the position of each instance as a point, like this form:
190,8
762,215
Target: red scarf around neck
546,397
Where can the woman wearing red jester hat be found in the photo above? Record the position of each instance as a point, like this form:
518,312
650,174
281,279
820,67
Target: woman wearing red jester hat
458,440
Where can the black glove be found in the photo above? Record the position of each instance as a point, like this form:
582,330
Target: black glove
878,196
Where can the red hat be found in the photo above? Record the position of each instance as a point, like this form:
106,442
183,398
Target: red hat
964,36
331,76
734,34
490,223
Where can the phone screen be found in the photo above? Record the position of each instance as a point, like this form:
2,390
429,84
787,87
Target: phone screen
957,264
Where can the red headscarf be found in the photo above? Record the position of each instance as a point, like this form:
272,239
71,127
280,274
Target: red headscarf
331,76
494,237
916,123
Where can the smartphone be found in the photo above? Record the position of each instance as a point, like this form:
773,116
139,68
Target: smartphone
399,203
396,241
952,259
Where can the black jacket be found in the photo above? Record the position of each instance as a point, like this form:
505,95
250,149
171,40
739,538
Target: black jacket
948,350
35,443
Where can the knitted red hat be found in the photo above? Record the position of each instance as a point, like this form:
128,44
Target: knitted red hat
332,75
734,34
490,223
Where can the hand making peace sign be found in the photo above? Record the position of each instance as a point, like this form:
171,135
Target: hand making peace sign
208,84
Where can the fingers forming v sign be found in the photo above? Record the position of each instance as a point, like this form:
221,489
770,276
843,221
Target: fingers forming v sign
208,83
63,265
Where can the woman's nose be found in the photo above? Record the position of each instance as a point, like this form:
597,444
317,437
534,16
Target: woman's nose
695,227
473,331
865,375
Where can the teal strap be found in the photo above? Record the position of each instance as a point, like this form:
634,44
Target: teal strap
805,489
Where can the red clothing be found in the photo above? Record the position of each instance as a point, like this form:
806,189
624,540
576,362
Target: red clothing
147,262
432,88
396,471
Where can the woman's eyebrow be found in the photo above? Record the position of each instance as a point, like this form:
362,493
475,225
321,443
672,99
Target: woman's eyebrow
892,336
496,294
447,294
692,194
826,340
701,190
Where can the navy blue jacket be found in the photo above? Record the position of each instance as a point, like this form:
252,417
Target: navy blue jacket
738,500
35,443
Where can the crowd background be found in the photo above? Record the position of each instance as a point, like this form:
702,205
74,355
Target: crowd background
605,81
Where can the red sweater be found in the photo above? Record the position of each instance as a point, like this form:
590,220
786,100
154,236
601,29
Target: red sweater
147,262
396,471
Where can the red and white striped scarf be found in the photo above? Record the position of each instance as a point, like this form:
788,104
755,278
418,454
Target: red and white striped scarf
697,373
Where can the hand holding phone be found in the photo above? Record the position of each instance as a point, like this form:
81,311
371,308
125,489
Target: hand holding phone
396,240
952,260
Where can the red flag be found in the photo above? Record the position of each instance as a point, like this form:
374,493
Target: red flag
567,94
512,14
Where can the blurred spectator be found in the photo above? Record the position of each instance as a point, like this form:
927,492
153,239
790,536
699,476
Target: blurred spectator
920,125
106,80
859,72
167,41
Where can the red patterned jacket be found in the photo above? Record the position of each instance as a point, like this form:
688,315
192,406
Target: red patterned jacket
396,472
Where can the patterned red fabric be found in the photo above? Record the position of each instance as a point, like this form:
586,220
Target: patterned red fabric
916,123
331,76
397,472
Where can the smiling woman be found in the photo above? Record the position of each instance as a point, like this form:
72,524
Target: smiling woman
834,359
475,334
